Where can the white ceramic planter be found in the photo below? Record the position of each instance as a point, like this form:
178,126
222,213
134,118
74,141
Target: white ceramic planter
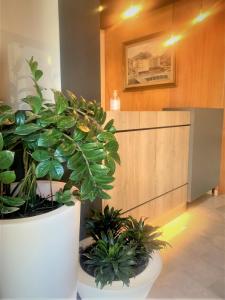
39,255
139,288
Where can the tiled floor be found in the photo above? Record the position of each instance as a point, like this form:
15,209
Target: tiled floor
194,267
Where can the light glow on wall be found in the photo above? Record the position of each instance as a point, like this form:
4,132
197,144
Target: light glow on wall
131,11
173,40
201,17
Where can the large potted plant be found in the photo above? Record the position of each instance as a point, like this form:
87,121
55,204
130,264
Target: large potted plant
120,260
39,212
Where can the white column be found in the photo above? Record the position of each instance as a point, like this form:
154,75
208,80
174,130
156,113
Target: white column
28,28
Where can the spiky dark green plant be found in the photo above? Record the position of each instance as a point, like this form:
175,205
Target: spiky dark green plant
103,222
143,237
109,260
122,248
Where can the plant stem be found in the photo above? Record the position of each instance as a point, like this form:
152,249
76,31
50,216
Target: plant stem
51,190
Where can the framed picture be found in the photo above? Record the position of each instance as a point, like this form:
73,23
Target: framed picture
148,62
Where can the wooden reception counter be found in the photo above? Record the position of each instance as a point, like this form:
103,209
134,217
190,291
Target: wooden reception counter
152,178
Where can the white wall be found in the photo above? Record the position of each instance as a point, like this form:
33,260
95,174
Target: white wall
28,28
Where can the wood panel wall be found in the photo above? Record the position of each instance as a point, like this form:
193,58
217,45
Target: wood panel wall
200,58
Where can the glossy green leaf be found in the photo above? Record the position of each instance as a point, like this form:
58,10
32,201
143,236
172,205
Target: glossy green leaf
12,201
47,120
99,169
6,159
38,74
1,142
106,186
115,156
61,103
110,163
56,170
90,146
31,137
49,138
64,197
109,125
8,210
112,146
105,136
4,108
66,122
103,195
7,177
43,168
112,130
10,139
41,155
51,167
95,155
75,176
20,117
33,65
60,159
104,179
65,149
86,186
78,135
35,102
26,129
75,160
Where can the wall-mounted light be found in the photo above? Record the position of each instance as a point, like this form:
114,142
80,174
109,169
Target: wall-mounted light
100,8
132,11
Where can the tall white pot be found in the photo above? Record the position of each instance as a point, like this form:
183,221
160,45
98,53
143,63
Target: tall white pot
39,255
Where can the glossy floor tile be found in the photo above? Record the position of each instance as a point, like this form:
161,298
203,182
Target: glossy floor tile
194,267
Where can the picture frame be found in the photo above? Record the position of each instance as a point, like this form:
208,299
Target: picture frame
148,62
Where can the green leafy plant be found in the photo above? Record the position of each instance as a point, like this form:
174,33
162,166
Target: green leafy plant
144,238
122,247
110,260
68,136
103,222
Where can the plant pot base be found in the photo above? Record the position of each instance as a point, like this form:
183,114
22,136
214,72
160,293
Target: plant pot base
139,288
39,255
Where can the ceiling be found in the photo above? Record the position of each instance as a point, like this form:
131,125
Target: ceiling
113,9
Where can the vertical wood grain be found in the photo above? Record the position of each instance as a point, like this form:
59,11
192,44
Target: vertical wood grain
200,58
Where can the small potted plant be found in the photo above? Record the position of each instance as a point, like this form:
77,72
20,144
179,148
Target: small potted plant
39,211
121,258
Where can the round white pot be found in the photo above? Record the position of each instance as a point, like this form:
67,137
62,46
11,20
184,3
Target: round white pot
139,288
39,255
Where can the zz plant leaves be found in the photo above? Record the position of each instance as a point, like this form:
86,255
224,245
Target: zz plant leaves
26,129
52,167
41,155
6,159
35,102
66,137
1,142
7,177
